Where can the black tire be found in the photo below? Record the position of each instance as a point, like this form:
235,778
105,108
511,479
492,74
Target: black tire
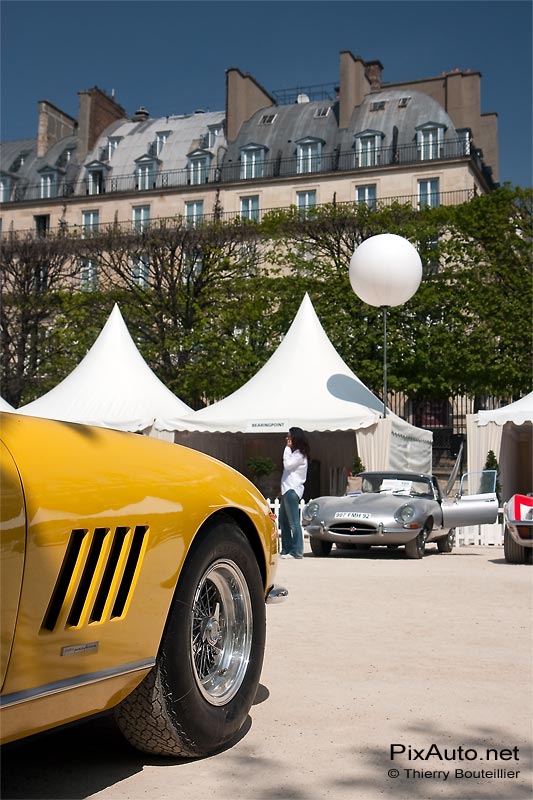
513,552
446,544
417,546
319,547
198,695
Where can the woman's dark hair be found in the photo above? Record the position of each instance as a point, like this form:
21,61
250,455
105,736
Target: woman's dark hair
300,441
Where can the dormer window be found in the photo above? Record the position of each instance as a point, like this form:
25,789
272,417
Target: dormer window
252,161
378,105
368,148
161,140
430,141
267,119
146,173
96,177
111,146
19,161
198,167
5,188
214,132
308,155
47,184
403,102
322,112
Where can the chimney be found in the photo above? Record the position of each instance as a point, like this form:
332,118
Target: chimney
244,96
53,125
373,73
354,85
141,115
96,112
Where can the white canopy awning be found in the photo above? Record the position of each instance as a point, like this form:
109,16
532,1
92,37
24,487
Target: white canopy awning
508,432
306,383
5,406
112,387
519,412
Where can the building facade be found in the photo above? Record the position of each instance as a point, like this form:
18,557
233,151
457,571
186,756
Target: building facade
426,142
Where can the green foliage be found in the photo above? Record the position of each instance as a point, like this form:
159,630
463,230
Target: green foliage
492,464
218,299
257,466
358,466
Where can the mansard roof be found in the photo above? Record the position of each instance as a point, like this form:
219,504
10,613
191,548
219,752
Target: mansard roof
184,134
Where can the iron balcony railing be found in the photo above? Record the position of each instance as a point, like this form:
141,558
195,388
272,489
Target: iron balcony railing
252,217
98,182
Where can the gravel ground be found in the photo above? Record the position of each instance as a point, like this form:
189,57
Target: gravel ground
370,651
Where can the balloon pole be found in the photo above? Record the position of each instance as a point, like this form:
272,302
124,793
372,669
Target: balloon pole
384,361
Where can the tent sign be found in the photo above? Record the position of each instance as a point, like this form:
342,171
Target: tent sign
267,425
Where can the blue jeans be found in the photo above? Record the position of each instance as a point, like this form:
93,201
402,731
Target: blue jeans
292,540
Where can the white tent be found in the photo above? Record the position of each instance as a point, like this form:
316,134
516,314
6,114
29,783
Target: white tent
5,406
112,387
306,383
508,432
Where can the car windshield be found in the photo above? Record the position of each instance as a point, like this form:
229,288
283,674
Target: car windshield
389,483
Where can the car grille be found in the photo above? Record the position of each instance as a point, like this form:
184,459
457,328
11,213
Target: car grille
352,528
97,576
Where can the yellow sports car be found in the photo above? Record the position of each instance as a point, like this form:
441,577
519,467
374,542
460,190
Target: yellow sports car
134,577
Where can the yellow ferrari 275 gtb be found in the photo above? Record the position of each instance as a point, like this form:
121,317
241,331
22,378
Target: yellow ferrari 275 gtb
134,577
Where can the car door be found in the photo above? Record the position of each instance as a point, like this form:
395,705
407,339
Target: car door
476,503
12,552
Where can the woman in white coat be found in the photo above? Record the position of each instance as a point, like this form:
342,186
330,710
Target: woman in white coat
295,463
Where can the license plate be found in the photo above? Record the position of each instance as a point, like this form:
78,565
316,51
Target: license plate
352,515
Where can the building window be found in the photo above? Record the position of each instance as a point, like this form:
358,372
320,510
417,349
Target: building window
252,162
368,149
90,221
198,169
160,141
140,269
366,194
48,185
267,119
5,188
308,156
430,142
141,218
145,175
96,182
88,278
306,200
250,208
322,112
216,130
194,212
42,224
428,193
112,144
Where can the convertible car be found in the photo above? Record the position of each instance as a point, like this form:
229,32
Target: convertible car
400,508
134,577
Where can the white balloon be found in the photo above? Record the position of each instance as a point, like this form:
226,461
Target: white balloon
385,270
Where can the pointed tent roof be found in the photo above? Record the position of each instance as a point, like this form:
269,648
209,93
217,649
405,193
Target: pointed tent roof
5,406
518,412
305,382
112,387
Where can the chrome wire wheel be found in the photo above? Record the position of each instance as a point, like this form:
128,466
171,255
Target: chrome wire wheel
221,632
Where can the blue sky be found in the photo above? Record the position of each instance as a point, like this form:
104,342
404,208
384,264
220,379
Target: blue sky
171,56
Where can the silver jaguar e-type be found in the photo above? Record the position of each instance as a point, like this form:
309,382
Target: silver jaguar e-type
400,508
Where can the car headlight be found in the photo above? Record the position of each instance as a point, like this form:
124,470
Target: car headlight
405,514
310,511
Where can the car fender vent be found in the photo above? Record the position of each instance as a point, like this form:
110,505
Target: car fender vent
97,576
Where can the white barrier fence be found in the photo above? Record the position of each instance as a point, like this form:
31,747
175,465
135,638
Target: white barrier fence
473,535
